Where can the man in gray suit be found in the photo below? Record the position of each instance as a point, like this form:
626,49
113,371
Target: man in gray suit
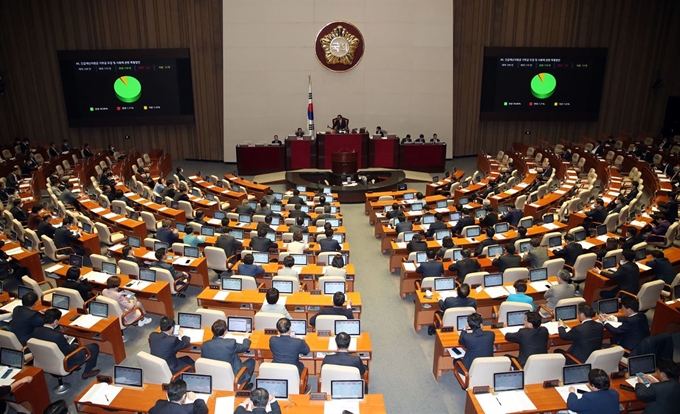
562,290
226,349
538,254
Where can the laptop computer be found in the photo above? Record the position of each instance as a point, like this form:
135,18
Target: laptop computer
330,288
548,218
210,197
351,327
408,235
461,321
347,389
494,250
480,213
11,361
463,200
118,210
181,227
158,200
219,215
239,324
271,236
253,204
276,387
207,231
160,245
516,318
443,284
22,290
237,234
190,251
555,241
640,254
87,228
334,222
601,230
409,196
147,275
441,233
575,374
501,227
276,208
174,205
75,260
526,223
326,190
465,184
198,384
427,219
28,245
609,263
524,246
579,235
566,313
278,196
508,381
401,187
233,284
416,207
134,215
301,188
473,232
189,320
260,257
244,218
608,306
100,309
421,257
645,364
298,326
454,217
134,241
503,209
304,208
299,259
60,301
283,286
109,268
442,204
536,275
493,279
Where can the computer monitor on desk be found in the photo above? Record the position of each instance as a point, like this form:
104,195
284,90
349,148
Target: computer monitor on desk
461,322
555,241
276,387
566,313
516,318
493,279
127,376
536,275
508,381
444,284
575,374
645,364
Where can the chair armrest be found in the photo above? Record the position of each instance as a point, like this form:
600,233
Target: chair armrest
46,282
303,380
133,310
232,260
261,286
459,366
417,285
89,300
552,314
67,357
24,349
625,293
63,248
438,321
570,356
238,376
570,268
515,363
182,371
178,283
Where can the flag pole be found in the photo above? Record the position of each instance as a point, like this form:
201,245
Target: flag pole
310,110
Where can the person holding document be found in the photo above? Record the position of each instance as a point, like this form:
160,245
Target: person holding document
600,399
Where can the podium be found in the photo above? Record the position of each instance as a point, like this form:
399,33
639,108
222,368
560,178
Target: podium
253,160
300,152
344,163
328,144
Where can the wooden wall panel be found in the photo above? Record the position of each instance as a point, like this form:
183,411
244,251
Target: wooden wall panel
33,30
643,38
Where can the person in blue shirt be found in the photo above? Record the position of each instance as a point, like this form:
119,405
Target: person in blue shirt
521,287
192,238
600,399
247,268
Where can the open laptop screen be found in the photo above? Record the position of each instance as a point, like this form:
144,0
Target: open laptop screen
237,234
239,324
493,279
555,241
565,313
299,259
329,288
148,275
502,227
199,384
109,268
135,242
127,376
473,232
461,321
347,389
232,283
428,219
516,318
440,234
608,306
60,301
276,387
22,290
539,274
408,235
98,309
579,235
640,254
601,230
351,327
157,245
244,218
457,254
494,250
11,358
219,215
421,257
508,381
609,262
444,283
283,286
189,320
645,364
190,251
207,231
75,260
524,246
575,374
260,257
526,223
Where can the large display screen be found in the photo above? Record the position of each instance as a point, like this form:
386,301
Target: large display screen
127,87
542,84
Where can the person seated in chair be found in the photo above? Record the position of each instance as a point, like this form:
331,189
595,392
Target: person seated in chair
488,241
261,243
464,266
161,256
634,327
272,304
532,338
336,309
247,268
165,345
25,318
508,260
663,394
627,276
600,400
286,348
74,282
431,267
520,294
177,401
260,402
478,343
460,301
193,236
125,301
342,356
340,124
417,244
329,244
585,337
222,348
570,252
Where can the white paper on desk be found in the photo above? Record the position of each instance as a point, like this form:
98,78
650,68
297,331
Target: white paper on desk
129,194
98,210
415,213
97,277
453,355
586,245
146,203
401,245
10,306
120,220
564,391
340,406
163,209
409,267
551,327
633,381
224,404
511,289
238,338
606,199
139,285
643,268
101,394
16,250
615,324
332,346
182,261
540,286
109,215
496,197
534,205
496,291
638,223
550,226
221,295
195,335
447,294
57,225
117,246
86,321
515,401
510,329
442,210
499,236
603,238
215,222
150,255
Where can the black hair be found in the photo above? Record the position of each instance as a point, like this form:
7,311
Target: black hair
272,295
630,302
343,340
475,321
338,298
283,325
176,390
598,379
166,323
534,319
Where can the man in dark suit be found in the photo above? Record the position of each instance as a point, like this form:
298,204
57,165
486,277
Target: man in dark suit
226,241
52,151
662,268
437,225
395,212
465,220
261,243
464,266
326,214
165,345
532,338
336,309
18,211
596,215
176,402
430,268
295,198
627,276
167,234
65,147
417,244
297,212
342,356
633,192
491,217
285,347
586,337
25,319
508,260
631,238
663,394
226,349
403,225
329,244
67,197
461,301
634,327
490,232
513,216
47,332
570,252
73,282
340,123
600,399
260,402
45,227
86,151
298,226
14,178
182,194
64,238
264,209
670,210
478,343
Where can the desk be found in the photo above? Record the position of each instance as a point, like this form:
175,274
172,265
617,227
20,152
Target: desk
443,184
301,153
423,157
142,400
384,152
300,305
29,260
549,400
235,198
258,190
253,160
105,333
35,394
97,213
666,317
331,143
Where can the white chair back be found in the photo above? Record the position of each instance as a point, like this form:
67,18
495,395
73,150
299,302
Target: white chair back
271,370
331,372
126,267
606,359
247,282
216,258
649,294
514,274
482,369
451,315
327,322
154,369
221,372
266,320
210,316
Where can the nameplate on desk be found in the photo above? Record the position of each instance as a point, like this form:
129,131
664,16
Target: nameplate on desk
321,334
315,292
104,378
551,383
447,329
270,332
215,287
498,325
317,396
618,374
243,393
263,290
481,390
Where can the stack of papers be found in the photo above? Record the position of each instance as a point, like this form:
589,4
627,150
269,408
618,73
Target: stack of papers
586,245
510,329
10,306
150,255
98,210
551,226
14,251
120,220
101,394
505,402
110,215
442,210
409,267
564,391
603,238
643,268
540,286
496,291
638,223
551,327
86,321
221,295
129,194
615,324
447,294
224,404
97,277
401,245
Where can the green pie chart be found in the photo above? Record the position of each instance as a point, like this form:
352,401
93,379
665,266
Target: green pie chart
128,89
543,85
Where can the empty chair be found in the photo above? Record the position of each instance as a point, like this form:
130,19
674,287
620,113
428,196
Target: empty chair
43,289
543,367
520,202
156,370
210,316
481,371
105,235
514,274
297,384
216,258
554,266
127,267
583,263
152,225
48,357
475,278
248,282
648,295
98,259
331,372
605,359
222,374
266,320
186,207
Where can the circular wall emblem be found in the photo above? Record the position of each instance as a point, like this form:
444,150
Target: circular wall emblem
339,46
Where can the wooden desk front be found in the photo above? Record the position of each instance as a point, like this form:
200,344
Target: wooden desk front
105,333
34,395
